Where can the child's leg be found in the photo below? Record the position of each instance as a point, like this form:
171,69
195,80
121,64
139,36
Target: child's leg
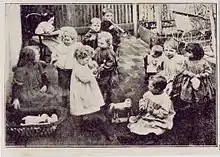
100,122
64,77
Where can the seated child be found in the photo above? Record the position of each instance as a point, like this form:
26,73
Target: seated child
194,85
106,59
155,110
106,25
62,56
172,62
91,36
194,92
154,62
31,88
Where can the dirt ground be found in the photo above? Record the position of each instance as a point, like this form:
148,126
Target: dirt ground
131,70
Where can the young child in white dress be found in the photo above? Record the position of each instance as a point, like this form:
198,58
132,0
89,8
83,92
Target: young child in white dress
85,96
156,111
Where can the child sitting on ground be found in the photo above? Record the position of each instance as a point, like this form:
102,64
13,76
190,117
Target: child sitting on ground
91,36
31,85
155,110
172,62
193,91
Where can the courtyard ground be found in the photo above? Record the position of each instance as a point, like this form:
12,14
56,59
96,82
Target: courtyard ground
131,70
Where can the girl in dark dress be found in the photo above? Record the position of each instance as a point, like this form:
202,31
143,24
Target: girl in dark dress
32,86
194,93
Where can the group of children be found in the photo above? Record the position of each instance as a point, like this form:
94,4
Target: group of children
82,72
85,73
176,83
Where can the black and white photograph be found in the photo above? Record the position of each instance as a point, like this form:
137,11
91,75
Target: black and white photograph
113,75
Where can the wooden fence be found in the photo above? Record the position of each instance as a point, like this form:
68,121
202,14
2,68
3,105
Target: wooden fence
79,15
127,16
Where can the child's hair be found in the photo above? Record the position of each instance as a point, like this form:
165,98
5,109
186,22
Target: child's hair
174,44
196,50
89,50
159,82
95,20
157,51
82,52
27,55
46,16
106,36
68,31
106,10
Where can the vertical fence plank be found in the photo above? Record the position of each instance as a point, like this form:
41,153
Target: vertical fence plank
101,7
88,14
135,18
123,13
141,15
132,13
126,13
129,13
119,13
158,17
90,11
98,11
116,13
108,5
94,10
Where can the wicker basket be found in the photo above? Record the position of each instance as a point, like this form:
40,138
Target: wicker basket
33,130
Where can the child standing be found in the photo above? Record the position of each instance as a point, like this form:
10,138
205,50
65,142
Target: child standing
106,25
62,57
91,36
85,96
173,62
194,89
156,110
106,59
154,62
